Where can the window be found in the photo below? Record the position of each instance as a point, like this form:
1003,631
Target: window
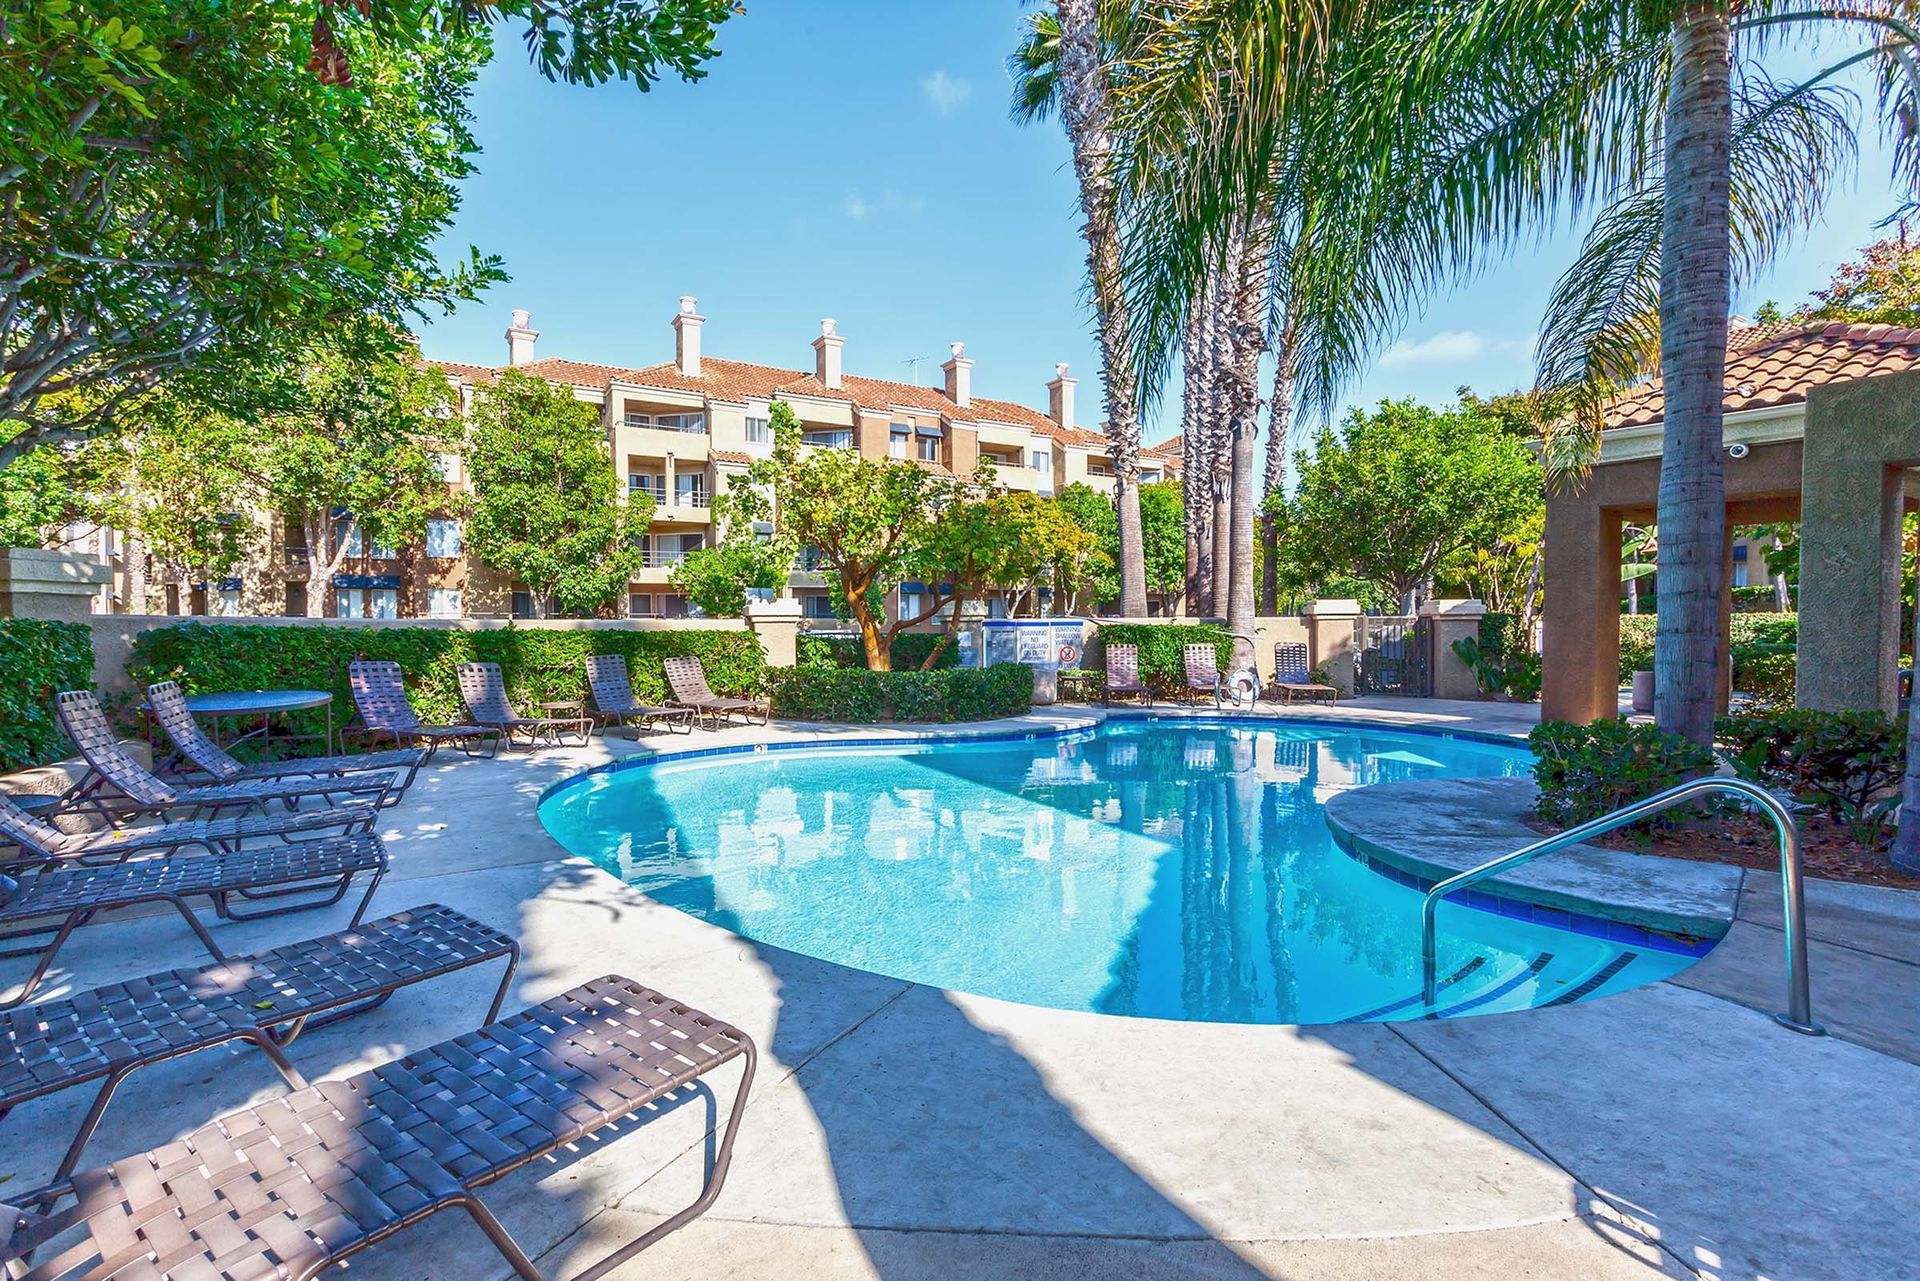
1739,573
759,431
828,437
443,538
522,605
897,442
296,604
690,489
654,487
349,602
1740,551
696,423
1041,461
1099,467
449,465
640,604
929,450
227,602
383,602
358,544
818,605
443,602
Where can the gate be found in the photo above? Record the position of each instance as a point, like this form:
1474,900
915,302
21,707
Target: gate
1393,656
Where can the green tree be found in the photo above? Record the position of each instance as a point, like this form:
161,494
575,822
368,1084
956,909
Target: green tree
1400,494
749,554
1162,533
547,507
176,192
983,542
1881,288
869,522
349,449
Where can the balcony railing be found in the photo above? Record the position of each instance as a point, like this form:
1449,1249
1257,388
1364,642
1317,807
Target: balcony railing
692,424
660,558
692,498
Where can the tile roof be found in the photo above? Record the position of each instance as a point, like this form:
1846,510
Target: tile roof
1173,451
462,372
731,456
1778,364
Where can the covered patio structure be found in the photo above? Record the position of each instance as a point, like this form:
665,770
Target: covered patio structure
1823,427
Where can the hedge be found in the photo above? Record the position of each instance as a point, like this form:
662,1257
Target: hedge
909,651
39,660
538,665
1585,771
1743,630
854,694
1162,662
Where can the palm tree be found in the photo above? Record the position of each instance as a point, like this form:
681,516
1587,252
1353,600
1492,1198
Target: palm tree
1066,63
1433,161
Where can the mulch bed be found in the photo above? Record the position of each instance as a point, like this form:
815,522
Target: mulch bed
1827,849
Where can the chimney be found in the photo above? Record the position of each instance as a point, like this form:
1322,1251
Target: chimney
686,338
826,355
1060,396
520,336
959,371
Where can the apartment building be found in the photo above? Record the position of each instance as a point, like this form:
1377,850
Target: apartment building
679,431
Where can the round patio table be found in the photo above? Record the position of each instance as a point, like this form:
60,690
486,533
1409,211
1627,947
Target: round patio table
263,703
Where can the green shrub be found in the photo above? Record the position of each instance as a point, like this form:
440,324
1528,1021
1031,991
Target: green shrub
1848,763
1584,771
538,664
1636,637
909,651
39,659
859,696
1766,672
1162,662
1499,659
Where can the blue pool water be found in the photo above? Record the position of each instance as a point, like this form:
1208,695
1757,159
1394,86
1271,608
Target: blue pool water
1168,869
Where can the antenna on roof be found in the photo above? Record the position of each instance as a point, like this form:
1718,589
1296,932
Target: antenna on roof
913,367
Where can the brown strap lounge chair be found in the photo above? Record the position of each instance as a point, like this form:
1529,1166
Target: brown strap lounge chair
137,790
614,703
41,841
266,999
1123,675
1291,680
290,1187
380,696
169,708
45,903
1203,672
484,690
688,681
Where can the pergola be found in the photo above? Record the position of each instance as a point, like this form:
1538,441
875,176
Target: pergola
1822,426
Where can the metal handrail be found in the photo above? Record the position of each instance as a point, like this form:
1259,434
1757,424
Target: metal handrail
1799,1014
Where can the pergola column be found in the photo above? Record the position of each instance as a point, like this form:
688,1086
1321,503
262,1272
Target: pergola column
1581,618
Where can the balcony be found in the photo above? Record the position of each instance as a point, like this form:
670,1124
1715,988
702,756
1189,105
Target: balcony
660,558
690,424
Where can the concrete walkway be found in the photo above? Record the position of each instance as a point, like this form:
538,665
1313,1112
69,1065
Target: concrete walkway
903,1132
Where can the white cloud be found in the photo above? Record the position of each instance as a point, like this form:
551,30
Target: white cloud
857,208
946,92
1451,346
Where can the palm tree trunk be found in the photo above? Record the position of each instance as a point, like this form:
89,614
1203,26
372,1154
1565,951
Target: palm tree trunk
1695,293
1193,452
1279,427
1085,91
1249,345
1222,397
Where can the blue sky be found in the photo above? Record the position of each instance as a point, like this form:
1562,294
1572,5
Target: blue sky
854,159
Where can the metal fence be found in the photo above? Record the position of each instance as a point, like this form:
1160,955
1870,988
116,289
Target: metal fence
1393,655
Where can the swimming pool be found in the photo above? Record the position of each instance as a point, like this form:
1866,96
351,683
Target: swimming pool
1176,869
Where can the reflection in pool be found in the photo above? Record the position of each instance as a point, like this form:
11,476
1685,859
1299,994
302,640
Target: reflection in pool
1168,869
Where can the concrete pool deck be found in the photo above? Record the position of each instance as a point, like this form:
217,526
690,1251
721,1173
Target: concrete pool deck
902,1132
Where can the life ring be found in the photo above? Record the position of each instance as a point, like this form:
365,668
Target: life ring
1244,687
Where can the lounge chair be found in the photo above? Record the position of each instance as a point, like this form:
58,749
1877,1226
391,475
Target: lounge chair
614,703
688,681
1203,672
290,1187
47,902
380,696
169,708
140,791
266,999
1123,675
1291,679
41,841
484,690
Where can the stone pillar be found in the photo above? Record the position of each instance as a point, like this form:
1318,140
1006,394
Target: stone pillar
1849,578
1330,638
777,624
55,586
1452,620
1580,643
